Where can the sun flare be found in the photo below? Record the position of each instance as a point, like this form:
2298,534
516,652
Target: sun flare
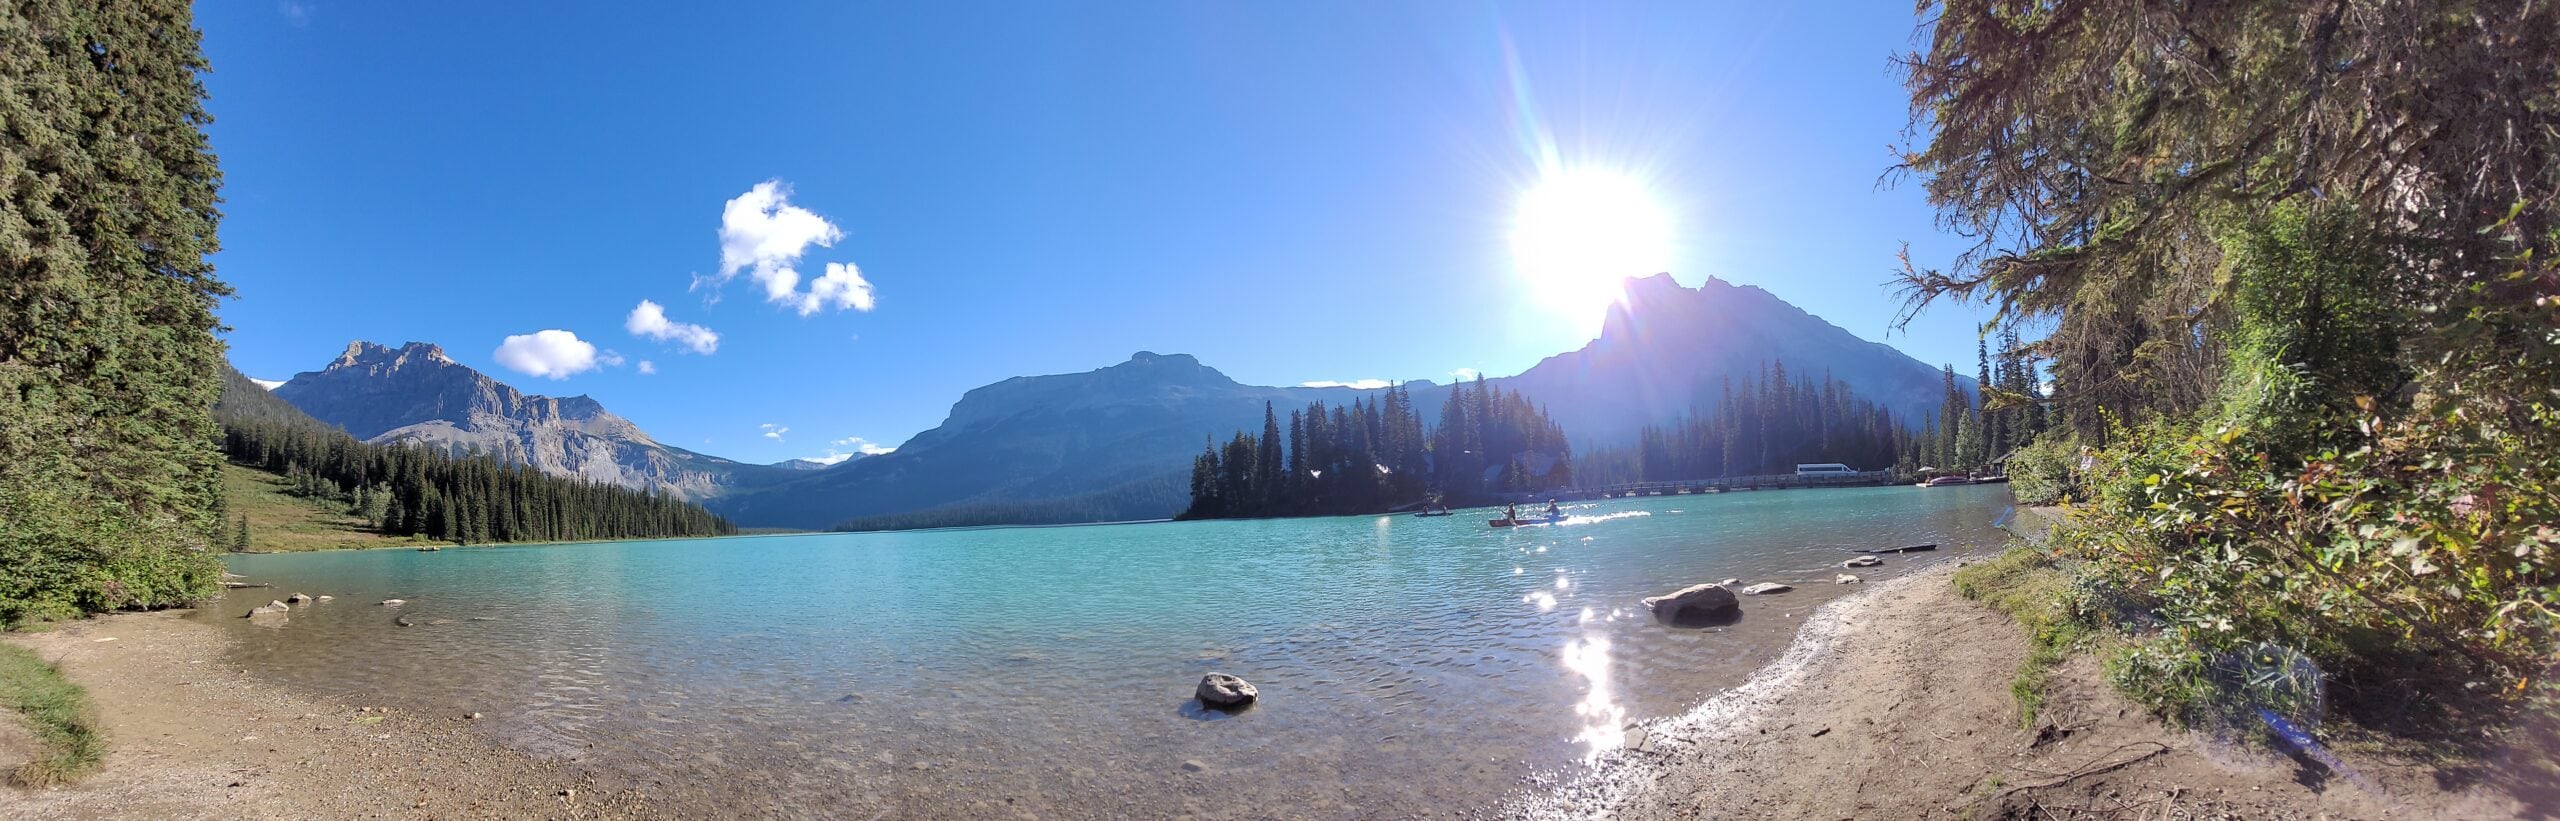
1581,232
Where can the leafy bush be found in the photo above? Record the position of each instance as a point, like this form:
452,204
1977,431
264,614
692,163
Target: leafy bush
2040,473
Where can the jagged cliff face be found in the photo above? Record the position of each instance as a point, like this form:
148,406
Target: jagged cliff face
415,393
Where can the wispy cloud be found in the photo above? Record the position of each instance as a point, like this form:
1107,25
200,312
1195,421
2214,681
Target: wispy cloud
609,358
862,446
649,321
773,431
551,354
646,368
1464,374
849,447
764,235
1361,384
296,14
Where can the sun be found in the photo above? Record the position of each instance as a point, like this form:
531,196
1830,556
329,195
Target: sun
1581,232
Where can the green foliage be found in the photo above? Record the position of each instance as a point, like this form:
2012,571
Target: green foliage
58,711
2041,473
108,477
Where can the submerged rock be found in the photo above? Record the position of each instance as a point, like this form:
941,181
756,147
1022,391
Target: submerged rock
1730,582
272,608
297,598
1226,692
394,602
1862,561
326,598
1847,579
1767,587
1694,605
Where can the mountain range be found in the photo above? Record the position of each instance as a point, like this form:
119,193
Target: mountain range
1113,443
415,393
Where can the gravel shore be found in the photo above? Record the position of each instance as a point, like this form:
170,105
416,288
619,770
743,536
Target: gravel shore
194,738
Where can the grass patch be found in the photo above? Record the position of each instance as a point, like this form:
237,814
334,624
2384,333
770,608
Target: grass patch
2023,583
282,522
58,711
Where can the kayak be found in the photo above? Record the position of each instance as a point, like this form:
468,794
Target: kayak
1524,522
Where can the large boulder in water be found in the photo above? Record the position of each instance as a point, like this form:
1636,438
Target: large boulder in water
1694,605
273,608
1226,692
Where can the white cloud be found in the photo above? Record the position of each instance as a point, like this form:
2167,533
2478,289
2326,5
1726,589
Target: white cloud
842,285
1466,374
649,321
269,384
552,354
1360,384
773,431
646,368
298,14
860,445
764,235
847,448
610,359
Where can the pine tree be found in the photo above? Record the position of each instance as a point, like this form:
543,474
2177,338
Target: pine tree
108,360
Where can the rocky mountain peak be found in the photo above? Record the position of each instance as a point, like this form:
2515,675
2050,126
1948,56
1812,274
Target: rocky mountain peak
361,354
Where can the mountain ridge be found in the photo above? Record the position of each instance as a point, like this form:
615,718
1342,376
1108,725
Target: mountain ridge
416,393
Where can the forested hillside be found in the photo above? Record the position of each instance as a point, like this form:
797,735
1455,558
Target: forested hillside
408,490
1373,456
2292,267
109,481
1768,424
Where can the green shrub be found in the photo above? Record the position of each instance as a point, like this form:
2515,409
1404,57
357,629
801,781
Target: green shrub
2041,473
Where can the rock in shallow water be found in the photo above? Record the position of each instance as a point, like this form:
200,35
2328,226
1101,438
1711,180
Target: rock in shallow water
1847,579
272,608
1226,692
1767,587
1862,561
1698,603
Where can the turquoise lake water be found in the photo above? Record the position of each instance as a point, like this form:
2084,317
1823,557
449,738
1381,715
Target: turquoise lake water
1408,666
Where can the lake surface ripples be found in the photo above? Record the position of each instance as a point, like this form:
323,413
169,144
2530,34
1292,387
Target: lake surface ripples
1408,666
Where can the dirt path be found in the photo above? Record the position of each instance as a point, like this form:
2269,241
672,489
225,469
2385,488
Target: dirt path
1897,705
195,739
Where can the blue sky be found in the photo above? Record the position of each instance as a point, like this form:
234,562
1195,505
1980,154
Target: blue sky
972,191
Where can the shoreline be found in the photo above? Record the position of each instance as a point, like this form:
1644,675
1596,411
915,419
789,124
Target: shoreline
191,736
1895,702
1891,701
1624,778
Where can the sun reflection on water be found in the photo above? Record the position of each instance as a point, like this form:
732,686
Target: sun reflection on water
1603,718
